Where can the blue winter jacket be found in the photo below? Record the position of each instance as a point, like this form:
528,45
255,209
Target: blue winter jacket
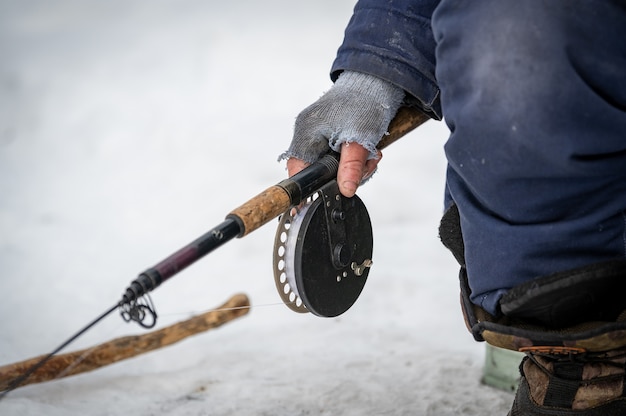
393,40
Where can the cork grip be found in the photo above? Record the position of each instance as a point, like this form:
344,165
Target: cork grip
262,208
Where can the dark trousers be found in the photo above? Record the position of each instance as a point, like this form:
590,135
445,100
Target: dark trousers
534,93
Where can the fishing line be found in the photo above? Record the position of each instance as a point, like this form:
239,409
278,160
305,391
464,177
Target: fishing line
234,308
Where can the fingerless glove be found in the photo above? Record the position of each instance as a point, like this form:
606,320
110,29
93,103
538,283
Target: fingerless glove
357,108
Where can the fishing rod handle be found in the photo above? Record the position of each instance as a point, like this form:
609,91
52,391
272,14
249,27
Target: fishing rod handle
277,199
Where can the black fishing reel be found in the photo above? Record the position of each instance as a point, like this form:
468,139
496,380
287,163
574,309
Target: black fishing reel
323,253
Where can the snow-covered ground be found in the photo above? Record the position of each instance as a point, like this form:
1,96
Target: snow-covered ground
129,128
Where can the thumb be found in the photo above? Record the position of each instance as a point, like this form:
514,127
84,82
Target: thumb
351,168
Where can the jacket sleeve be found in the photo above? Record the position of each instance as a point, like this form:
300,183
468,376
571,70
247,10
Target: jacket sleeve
393,40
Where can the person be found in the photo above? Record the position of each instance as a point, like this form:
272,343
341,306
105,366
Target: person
534,95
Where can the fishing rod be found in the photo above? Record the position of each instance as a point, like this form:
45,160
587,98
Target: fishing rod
337,215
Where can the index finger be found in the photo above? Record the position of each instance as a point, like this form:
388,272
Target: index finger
295,165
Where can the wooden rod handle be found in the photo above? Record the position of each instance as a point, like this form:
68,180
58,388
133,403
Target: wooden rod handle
406,120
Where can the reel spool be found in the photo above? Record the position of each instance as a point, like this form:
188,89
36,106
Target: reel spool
323,253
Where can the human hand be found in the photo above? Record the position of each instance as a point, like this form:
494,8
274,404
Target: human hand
350,118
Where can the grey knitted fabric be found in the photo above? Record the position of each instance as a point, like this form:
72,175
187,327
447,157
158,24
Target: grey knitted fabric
357,108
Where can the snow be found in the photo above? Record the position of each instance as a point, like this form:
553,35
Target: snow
128,129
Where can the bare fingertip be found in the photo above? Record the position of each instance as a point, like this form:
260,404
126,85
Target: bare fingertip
348,188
